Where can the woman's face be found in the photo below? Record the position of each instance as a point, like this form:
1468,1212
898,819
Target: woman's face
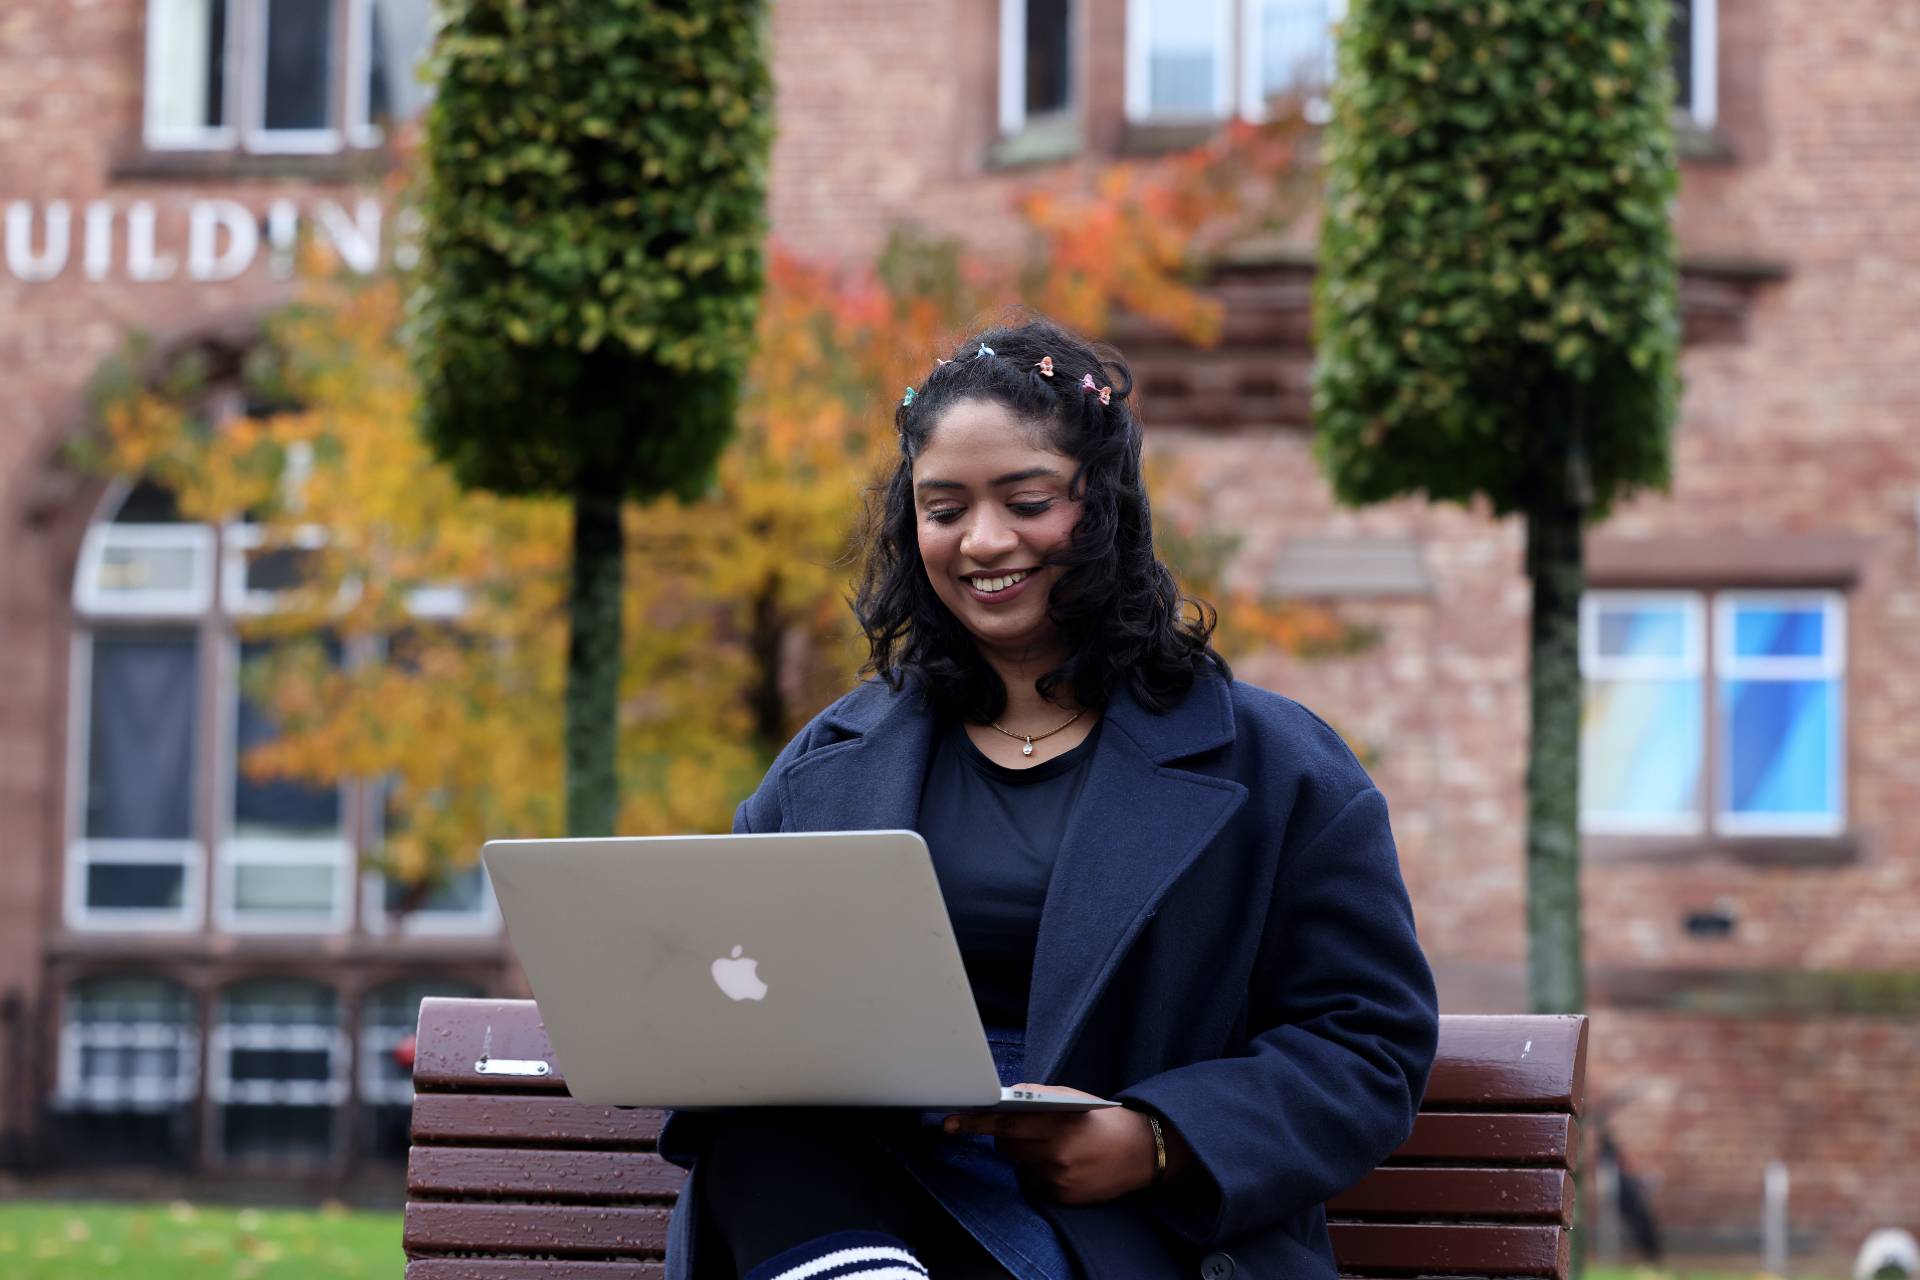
991,505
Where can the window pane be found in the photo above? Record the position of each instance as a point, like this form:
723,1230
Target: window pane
187,92
1047,43
276,1132
400,39
461,892
1642,631
1768,632
1781,746
1296,43
277,887
298,64
1640,749
136,886
280,1064
273,808
145,687
113,1000
284,1002
1182,60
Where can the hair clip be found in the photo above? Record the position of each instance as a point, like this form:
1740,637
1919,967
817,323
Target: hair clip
937,362
907,399
984,350
1106,393
1045,364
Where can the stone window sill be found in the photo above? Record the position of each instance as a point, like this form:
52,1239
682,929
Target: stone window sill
1042,142
1695,145
142,164
1813,852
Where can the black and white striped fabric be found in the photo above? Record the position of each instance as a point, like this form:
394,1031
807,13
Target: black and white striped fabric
844,1255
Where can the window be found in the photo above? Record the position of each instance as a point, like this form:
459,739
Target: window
462,903
145,569
1287,50
1177,65
1694,40
281,76
1036,71
277,1069
127,1044
287,863
1736,734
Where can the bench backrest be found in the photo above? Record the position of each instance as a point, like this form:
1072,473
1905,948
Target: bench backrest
510,1179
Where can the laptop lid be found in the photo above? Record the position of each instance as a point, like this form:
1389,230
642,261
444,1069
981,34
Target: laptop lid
791,969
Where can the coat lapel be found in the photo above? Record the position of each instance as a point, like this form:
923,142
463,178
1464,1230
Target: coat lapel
1138,825
872,781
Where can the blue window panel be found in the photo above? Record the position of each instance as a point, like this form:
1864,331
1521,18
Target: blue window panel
1781,746
1763,632
1640,748
1642,632
1295,41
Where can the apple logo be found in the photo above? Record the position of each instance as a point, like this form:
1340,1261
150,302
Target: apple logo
737,977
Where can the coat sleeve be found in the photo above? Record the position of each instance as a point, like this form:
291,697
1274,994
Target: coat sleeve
760,812
1346,1023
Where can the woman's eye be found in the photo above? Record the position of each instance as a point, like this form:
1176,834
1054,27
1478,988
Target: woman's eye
946,515
1030,508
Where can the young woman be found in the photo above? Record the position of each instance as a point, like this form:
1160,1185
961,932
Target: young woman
1169,887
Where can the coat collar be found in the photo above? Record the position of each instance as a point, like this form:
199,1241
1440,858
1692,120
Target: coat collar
1138,826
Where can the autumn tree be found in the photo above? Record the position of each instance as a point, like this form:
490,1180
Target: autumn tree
1496,318
593,213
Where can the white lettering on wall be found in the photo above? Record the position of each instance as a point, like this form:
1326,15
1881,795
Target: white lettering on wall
143,264
356,239
283,233
205,261
36,268
97,257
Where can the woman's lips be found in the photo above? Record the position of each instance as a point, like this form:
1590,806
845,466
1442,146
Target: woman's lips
1000,596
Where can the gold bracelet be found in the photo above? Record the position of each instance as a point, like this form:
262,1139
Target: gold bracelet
1159,1148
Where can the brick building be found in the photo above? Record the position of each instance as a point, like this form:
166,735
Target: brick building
194,973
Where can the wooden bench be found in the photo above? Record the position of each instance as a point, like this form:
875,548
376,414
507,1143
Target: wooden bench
510,1179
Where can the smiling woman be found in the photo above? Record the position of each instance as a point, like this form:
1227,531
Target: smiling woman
1108,814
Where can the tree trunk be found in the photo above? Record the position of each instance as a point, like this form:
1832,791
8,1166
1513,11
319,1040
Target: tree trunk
593,656
765,641
1556,969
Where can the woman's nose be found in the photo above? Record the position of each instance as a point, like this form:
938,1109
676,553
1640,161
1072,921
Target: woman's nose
987,538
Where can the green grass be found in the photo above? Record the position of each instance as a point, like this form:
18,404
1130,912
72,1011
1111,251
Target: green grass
71,1241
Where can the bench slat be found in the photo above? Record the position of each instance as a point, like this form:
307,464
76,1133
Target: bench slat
580,1231
601,1177
1531,1063
482,1119
531,1269
1499,1195
455,1033
1490,1138
1437,1249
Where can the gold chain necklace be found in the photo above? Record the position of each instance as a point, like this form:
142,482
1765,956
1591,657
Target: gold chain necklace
1031,738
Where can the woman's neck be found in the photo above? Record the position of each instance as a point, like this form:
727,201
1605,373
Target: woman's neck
1026,711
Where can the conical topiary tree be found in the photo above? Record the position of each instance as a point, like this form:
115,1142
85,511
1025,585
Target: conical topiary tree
591,264
1496,317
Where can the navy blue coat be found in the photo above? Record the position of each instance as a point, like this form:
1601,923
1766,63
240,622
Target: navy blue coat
1226,940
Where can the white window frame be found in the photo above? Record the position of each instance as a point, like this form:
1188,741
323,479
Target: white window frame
379,921
137,602
235,851
1830,665
1013,67
224,1090
74,1092
361,130
1703,21
1253,99
239,538
253,69
197,139
1139,90
1690,665
82,852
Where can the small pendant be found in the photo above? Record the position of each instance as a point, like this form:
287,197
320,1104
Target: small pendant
1028,749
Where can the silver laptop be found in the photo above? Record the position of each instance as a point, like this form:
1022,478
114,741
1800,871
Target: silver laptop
799,969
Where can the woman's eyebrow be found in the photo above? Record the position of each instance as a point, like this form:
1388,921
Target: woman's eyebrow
1012,477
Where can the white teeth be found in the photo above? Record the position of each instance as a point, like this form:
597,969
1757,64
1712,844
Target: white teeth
991,585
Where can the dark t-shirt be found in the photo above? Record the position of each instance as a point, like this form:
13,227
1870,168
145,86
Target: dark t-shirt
994,833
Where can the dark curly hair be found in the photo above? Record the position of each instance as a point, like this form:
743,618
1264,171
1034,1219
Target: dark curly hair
1117,607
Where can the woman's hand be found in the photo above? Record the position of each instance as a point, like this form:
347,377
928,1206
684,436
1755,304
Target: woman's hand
1074,1157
